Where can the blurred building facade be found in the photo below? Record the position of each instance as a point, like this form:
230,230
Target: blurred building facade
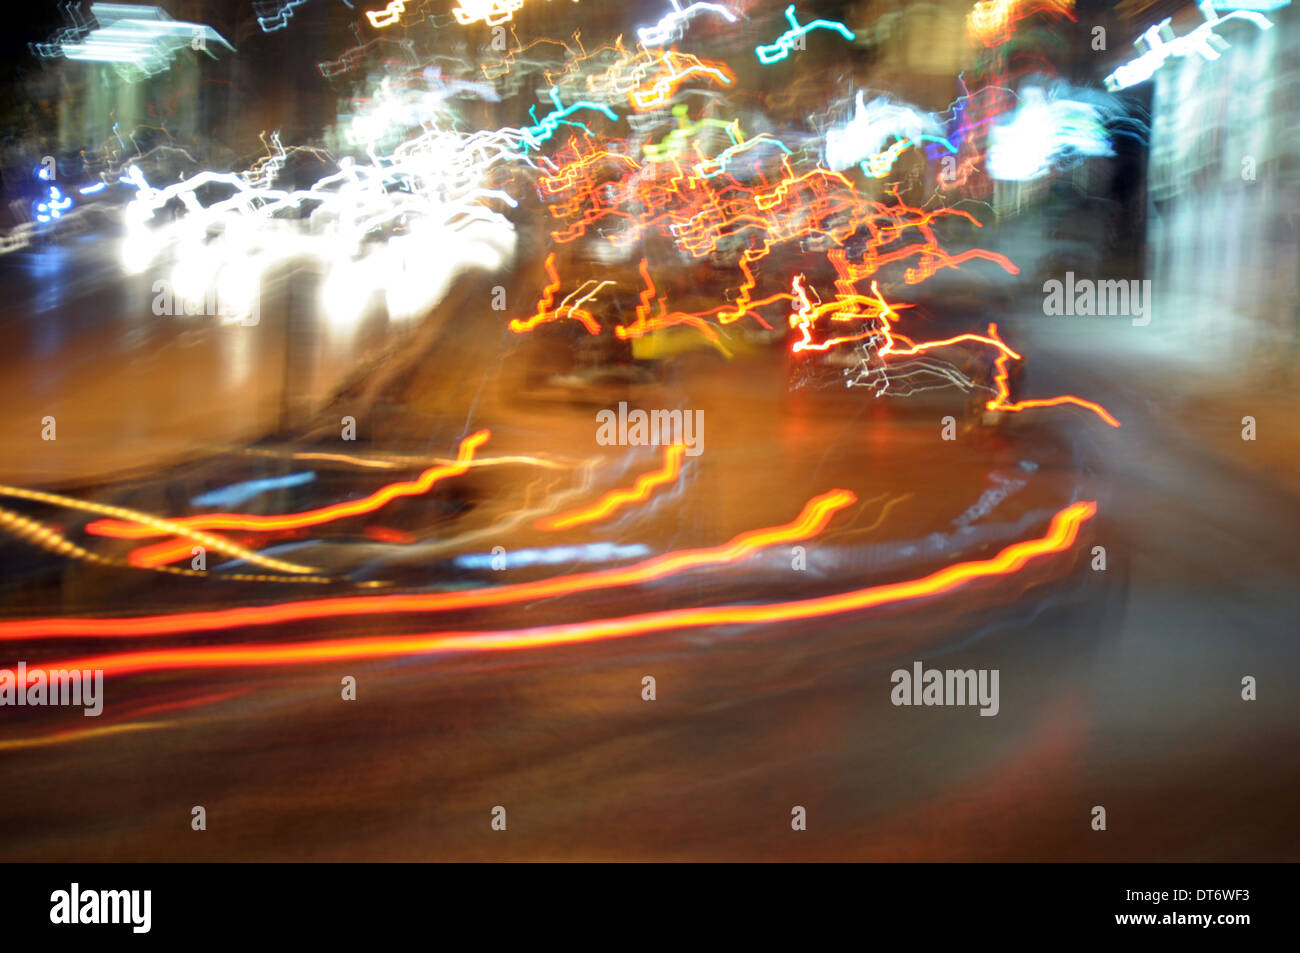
1224,190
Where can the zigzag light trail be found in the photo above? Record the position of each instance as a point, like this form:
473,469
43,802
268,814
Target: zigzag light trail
639,492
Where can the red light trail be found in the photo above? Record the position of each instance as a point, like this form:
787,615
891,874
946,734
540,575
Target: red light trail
1060,536
816,515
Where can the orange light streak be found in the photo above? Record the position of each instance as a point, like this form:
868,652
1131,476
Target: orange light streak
678,67
160,554
640,491
1060,536
1000,401
646,323
815,516
806,316
544,312
263,524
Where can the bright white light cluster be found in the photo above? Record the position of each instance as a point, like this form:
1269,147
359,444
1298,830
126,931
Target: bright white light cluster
1046,130
1161,44
392,111
673,24
873,126
142,40
401,225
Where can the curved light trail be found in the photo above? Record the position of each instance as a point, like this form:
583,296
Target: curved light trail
1060,536
817,513
325,514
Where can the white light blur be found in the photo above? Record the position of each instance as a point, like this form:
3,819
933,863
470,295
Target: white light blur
873,125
